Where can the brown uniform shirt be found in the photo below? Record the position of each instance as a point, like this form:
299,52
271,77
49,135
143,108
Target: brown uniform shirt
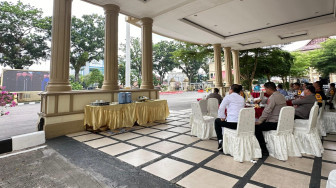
216,96
304,106
272,110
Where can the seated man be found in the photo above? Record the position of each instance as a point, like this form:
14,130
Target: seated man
280,89
319,93
215,95
233,103
297,89
303,105
269,118
331,95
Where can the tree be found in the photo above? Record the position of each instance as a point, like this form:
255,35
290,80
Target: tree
87,41
163,61
95,76
324,60
249,60
301,64
282,61
190,58
23,35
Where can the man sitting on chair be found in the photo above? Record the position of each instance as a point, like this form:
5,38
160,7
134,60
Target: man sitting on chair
215,95
269,118
303,105
233,103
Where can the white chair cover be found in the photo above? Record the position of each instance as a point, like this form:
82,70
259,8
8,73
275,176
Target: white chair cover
242,143
213,107
320,122
202,126
281,143
331,183
306,134
204,106
329,120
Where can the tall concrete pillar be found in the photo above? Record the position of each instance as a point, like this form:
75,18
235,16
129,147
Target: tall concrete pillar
228,70
147,53
236,69
111,48
60,46
218,66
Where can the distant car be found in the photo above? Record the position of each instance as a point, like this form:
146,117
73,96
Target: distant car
91,88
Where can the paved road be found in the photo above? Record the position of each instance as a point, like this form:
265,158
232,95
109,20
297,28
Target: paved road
23,119
181,101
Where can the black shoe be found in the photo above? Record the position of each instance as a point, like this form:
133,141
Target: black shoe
220,146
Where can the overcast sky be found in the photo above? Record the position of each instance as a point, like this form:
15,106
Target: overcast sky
80,8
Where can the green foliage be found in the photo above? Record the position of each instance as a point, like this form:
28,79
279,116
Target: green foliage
156,81
324,60
94,77
260,62
163,61
301,64
87,41
190,57
23,35
249,60
76,85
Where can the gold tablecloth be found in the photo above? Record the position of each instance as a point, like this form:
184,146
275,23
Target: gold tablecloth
125,115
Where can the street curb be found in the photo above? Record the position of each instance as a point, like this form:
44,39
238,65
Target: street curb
24,103
22,141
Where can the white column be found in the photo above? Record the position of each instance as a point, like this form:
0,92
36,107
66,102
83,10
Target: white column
236,68
111,48
60,46
128,57
147,53
228,70
218,66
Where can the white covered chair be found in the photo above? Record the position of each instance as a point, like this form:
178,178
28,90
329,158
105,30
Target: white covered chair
331,183
281,143
306,134
204,106
320,121
329,120
202,126
213,107
242,143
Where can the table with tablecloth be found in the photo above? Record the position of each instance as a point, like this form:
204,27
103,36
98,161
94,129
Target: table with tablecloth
125,115
257,94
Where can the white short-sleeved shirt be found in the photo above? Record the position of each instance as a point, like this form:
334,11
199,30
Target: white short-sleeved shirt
233,103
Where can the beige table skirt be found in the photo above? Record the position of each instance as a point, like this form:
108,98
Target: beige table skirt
125,115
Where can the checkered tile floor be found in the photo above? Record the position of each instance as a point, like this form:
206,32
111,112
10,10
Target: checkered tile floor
166,149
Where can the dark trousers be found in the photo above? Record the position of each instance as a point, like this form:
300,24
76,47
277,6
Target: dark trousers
219,124
298,117
266,126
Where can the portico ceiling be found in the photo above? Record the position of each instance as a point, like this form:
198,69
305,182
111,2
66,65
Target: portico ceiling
240,24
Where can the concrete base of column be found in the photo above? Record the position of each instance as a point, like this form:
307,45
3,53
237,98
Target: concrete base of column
58,87
145,86
110,87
